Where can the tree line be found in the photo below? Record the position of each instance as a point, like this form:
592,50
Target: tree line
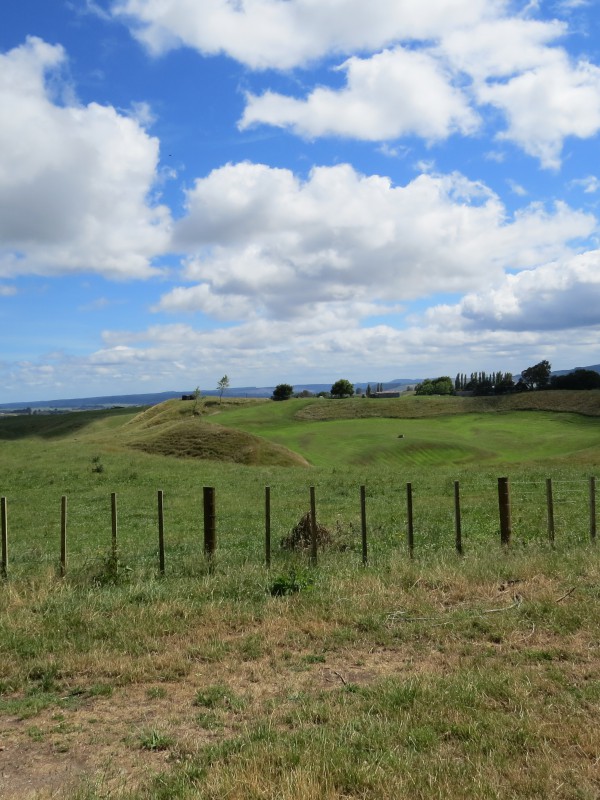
482,383
538,376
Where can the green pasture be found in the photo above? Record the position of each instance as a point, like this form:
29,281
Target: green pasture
88,456
526,438
433,677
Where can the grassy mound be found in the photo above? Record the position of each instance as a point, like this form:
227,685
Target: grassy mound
195,439
179,428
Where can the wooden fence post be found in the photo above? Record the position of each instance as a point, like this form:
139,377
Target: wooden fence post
550,505
268,526
593,510
4,531
457,519
410,535
313,527
113,515
363,523
161,532
210,524
63,536
504,507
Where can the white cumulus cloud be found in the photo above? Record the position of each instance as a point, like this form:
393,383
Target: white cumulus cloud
395,93
74,180
560,295
412,68
263,242
282,34
546,105
590,184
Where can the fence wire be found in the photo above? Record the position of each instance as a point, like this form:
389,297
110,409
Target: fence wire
33,527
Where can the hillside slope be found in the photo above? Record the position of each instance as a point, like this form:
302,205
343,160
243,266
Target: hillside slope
412,407
181,429
437,431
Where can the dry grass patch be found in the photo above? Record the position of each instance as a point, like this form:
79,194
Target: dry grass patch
424,679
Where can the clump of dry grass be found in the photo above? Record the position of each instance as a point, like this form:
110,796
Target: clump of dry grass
300,537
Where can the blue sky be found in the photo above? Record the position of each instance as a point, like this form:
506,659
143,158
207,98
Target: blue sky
295,191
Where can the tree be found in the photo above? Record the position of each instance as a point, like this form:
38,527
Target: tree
505,384
342,388
537,376
482,383
197,398
442,385
222,386
283,391
578,379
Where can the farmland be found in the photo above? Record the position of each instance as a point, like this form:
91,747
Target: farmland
433,677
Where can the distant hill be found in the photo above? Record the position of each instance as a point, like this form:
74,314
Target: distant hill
592,368
110,401
94,402
402,382
154,398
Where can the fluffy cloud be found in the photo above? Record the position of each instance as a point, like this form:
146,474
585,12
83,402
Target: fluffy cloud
557,296
501,47
74,180
262,242
294,350
483,331
546,105
395,93
434,91
282,34
428,69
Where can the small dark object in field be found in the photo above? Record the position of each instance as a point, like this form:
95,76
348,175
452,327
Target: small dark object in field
401,436
300,537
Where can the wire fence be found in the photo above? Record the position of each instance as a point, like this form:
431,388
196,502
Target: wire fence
163,533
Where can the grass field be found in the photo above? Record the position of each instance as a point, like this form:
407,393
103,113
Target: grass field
437,677
450,439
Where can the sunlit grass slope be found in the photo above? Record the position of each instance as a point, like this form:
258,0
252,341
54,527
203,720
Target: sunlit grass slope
239,447
174,428
410,432
431,431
